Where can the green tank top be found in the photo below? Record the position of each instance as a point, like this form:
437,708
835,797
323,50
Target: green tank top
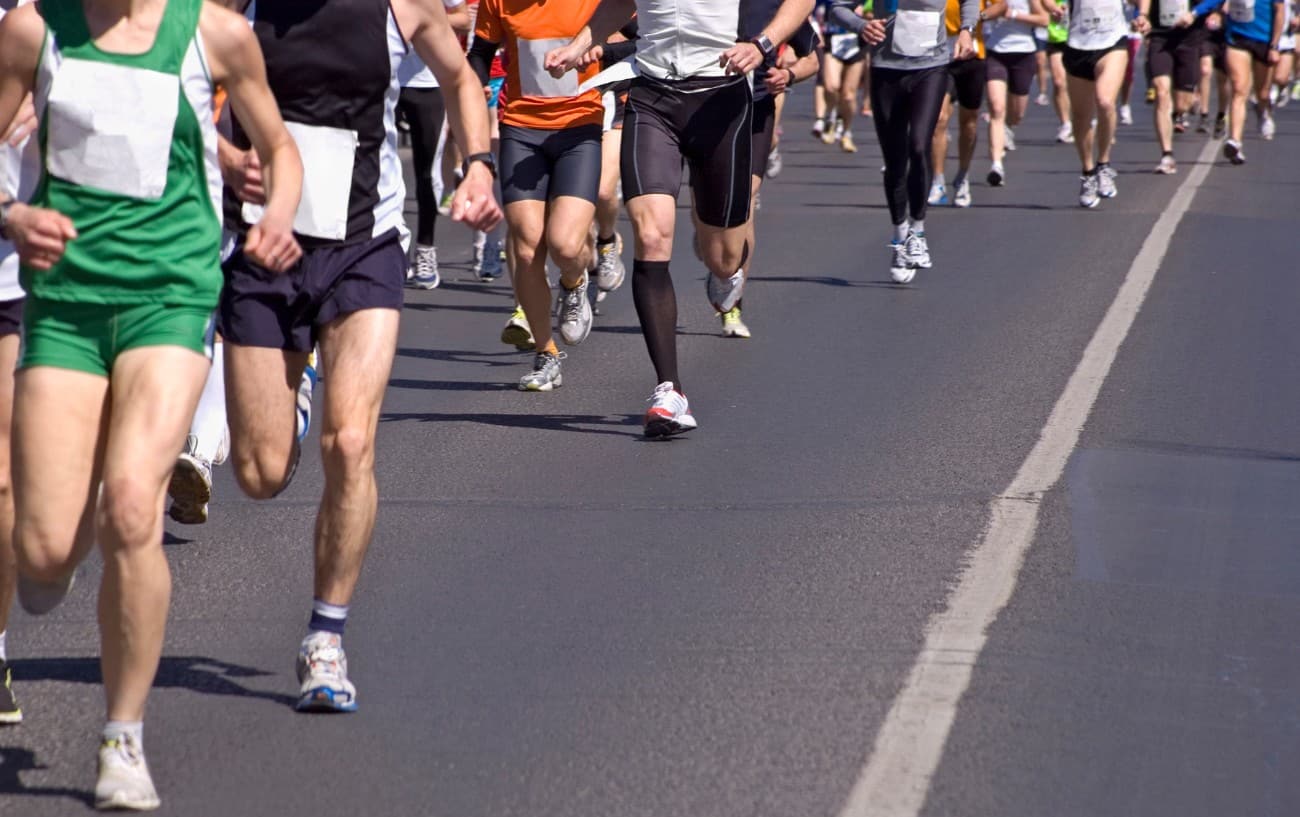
128,145
1059,32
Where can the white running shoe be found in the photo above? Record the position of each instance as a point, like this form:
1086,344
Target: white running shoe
733,326
1041,100
725,293
190,489
997,175
1125,115
575,313
918,251
517,332
1233,153
306,387
900,268
1267,127
962,197
124,781
1010,138
1106,176
546,374
774,163
1088,190
669,412
1168,166
610,270
426,268
323,675
938,195
1065,134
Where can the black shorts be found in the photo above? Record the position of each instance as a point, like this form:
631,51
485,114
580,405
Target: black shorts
1055,48
541,165
11,317
1016,70
764,131
1177,55
706,124
619,90
287,310
966,80
1216,46
1082,64
1258,51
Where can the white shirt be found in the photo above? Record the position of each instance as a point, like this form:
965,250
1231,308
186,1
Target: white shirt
413,73
682,39
20,169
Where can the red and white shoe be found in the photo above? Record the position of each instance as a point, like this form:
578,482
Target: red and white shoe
669,412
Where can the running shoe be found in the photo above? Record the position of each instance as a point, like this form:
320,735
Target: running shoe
774,163
847,144
610,271
190,487
1010,138
545,374
39,598
306,386
574,310
829,136
517,332
1220,126
1167,166
1150,96
124,781
426,268
938,194
1284,97
480,242
1088,196
323,675
819,127
1041,100
1065,134
1295,92
918,251
725,293
1233,153
732,325
1106,176
1267,127
669,413
1203,123
1182,122
997,175
962,197
1125,115
900,268
10,713
444,206
491,262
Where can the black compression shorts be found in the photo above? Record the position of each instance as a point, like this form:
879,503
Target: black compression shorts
706,123
1257,50
1082,64
540,165
764,131
966,80
1017,70
1177,55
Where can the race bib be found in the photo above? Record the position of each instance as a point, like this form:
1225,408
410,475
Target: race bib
110,127
1171,11
845,47
328,158
1242,11
534,79
917,33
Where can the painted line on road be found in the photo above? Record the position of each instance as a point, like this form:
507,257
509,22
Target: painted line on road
896,778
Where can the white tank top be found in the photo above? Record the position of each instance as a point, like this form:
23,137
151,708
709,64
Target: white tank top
1096,25
1007,36
20,168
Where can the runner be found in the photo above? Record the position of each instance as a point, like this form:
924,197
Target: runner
333,69
965,85
1174,67
842,77
689,61
1284,71
1096,57
910,53
1253,30
120,258
1058,32
1011,64
608,250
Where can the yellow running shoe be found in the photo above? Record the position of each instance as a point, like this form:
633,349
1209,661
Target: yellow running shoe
847,145
517,332
732,325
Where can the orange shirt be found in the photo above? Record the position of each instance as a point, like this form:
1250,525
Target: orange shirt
952,17
528,29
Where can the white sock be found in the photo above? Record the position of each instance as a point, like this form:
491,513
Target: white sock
4,656
116,730
209,426
900,233
938,180
917,225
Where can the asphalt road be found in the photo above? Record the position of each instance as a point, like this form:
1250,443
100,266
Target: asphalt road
559,618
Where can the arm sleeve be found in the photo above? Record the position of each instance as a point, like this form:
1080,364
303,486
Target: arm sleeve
841,13
1206,7
617,52
480,58
970,13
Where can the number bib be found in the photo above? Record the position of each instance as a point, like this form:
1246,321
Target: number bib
845,47
534,79
1242,11
328,158
917,32
1171,11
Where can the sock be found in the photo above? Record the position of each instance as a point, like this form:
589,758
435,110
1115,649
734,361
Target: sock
602,241
328,618
656,308
209,426
900,233
938,180
917,225
4,656
1167,153
550,347
116,730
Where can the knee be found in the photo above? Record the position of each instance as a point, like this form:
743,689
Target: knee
260,471
917,148
129,512
347,452
38,547
653,242
568,250
1104,105
524,252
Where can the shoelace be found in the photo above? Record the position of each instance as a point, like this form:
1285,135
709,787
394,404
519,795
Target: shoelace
425,264
573,304
915,245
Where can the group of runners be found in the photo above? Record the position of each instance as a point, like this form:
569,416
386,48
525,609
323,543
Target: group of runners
203,205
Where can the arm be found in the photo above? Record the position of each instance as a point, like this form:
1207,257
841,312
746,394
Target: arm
1037,15
1142,22
467,115
458,16
1207,7
610,16
780,77
235,60
995,10
745,57
480,58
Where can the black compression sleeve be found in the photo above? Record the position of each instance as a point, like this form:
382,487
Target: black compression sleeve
617,52
480,58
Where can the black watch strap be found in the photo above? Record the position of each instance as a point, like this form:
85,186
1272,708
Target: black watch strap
486,158
4,217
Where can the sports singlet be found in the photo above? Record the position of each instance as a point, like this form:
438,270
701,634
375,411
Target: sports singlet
20,167
142,187
1007,36
1096,24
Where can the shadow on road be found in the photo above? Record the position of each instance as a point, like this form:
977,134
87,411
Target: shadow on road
447,385
16,759
196,673
452,356
629,425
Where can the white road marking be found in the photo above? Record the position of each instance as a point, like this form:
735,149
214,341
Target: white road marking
896,778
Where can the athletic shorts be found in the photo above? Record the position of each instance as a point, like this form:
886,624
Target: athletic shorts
1082,64
615,99
702,123
1216,46
1016,70
11,316
764,131
966,79
541,165
846,48
1258,51
286,310
1055,48
1177,55
88,338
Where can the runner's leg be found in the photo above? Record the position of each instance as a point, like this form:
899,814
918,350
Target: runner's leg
261,405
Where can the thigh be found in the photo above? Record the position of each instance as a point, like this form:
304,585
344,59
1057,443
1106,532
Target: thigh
996,89
651,160
1238,62
568,220
526,223
261,393
575,156
8,364
525,168
370,275
853,75
262,308
1080,64
720,155
1187,63
357,358
654,219
424,111
1021,74
832,74
927,93
889,104
1111,67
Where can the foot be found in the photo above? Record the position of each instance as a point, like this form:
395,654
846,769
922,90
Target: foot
1203,124
1233,153
962,197
774,163
725,293
1106,176
323,675
124,781
1125,115
997,175
575,313
9,712
425,275
1010,138
733,326
1267,127
900,267
491,263
818,127
918,251
1065,134
1220,126
545,375
669,413
444,206
1182,122
517,332
610,270
847,144
1088,196
1168,166
1041,100
938,194
39,598
190,489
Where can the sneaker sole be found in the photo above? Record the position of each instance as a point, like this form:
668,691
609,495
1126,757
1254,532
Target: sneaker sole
190,495
554,384
902,276
120,802
324,700
661,428
425,285
618,282
518,337
731,332
11,718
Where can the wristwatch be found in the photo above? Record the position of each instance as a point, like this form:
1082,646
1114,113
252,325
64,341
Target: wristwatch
970,29
488,159
764,45
4,217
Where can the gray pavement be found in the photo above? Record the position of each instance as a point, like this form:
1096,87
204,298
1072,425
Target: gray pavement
558,618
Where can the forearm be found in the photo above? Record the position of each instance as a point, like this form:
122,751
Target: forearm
459,18
282,173
806,67
1279,25
609,17
617,52
789,17
1207,7
970,13
842,14
467,113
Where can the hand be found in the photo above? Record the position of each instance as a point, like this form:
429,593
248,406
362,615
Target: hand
1214,22
741,58
1185,20
1056,11
873,33
562,60
964,49
24,124
777,81
40,235
1141,24
473,203
271,245
242,172
1274,56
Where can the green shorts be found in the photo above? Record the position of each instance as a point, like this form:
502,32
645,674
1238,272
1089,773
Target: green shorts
89,337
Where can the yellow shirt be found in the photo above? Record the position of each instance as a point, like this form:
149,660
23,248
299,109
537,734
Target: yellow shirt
952,15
